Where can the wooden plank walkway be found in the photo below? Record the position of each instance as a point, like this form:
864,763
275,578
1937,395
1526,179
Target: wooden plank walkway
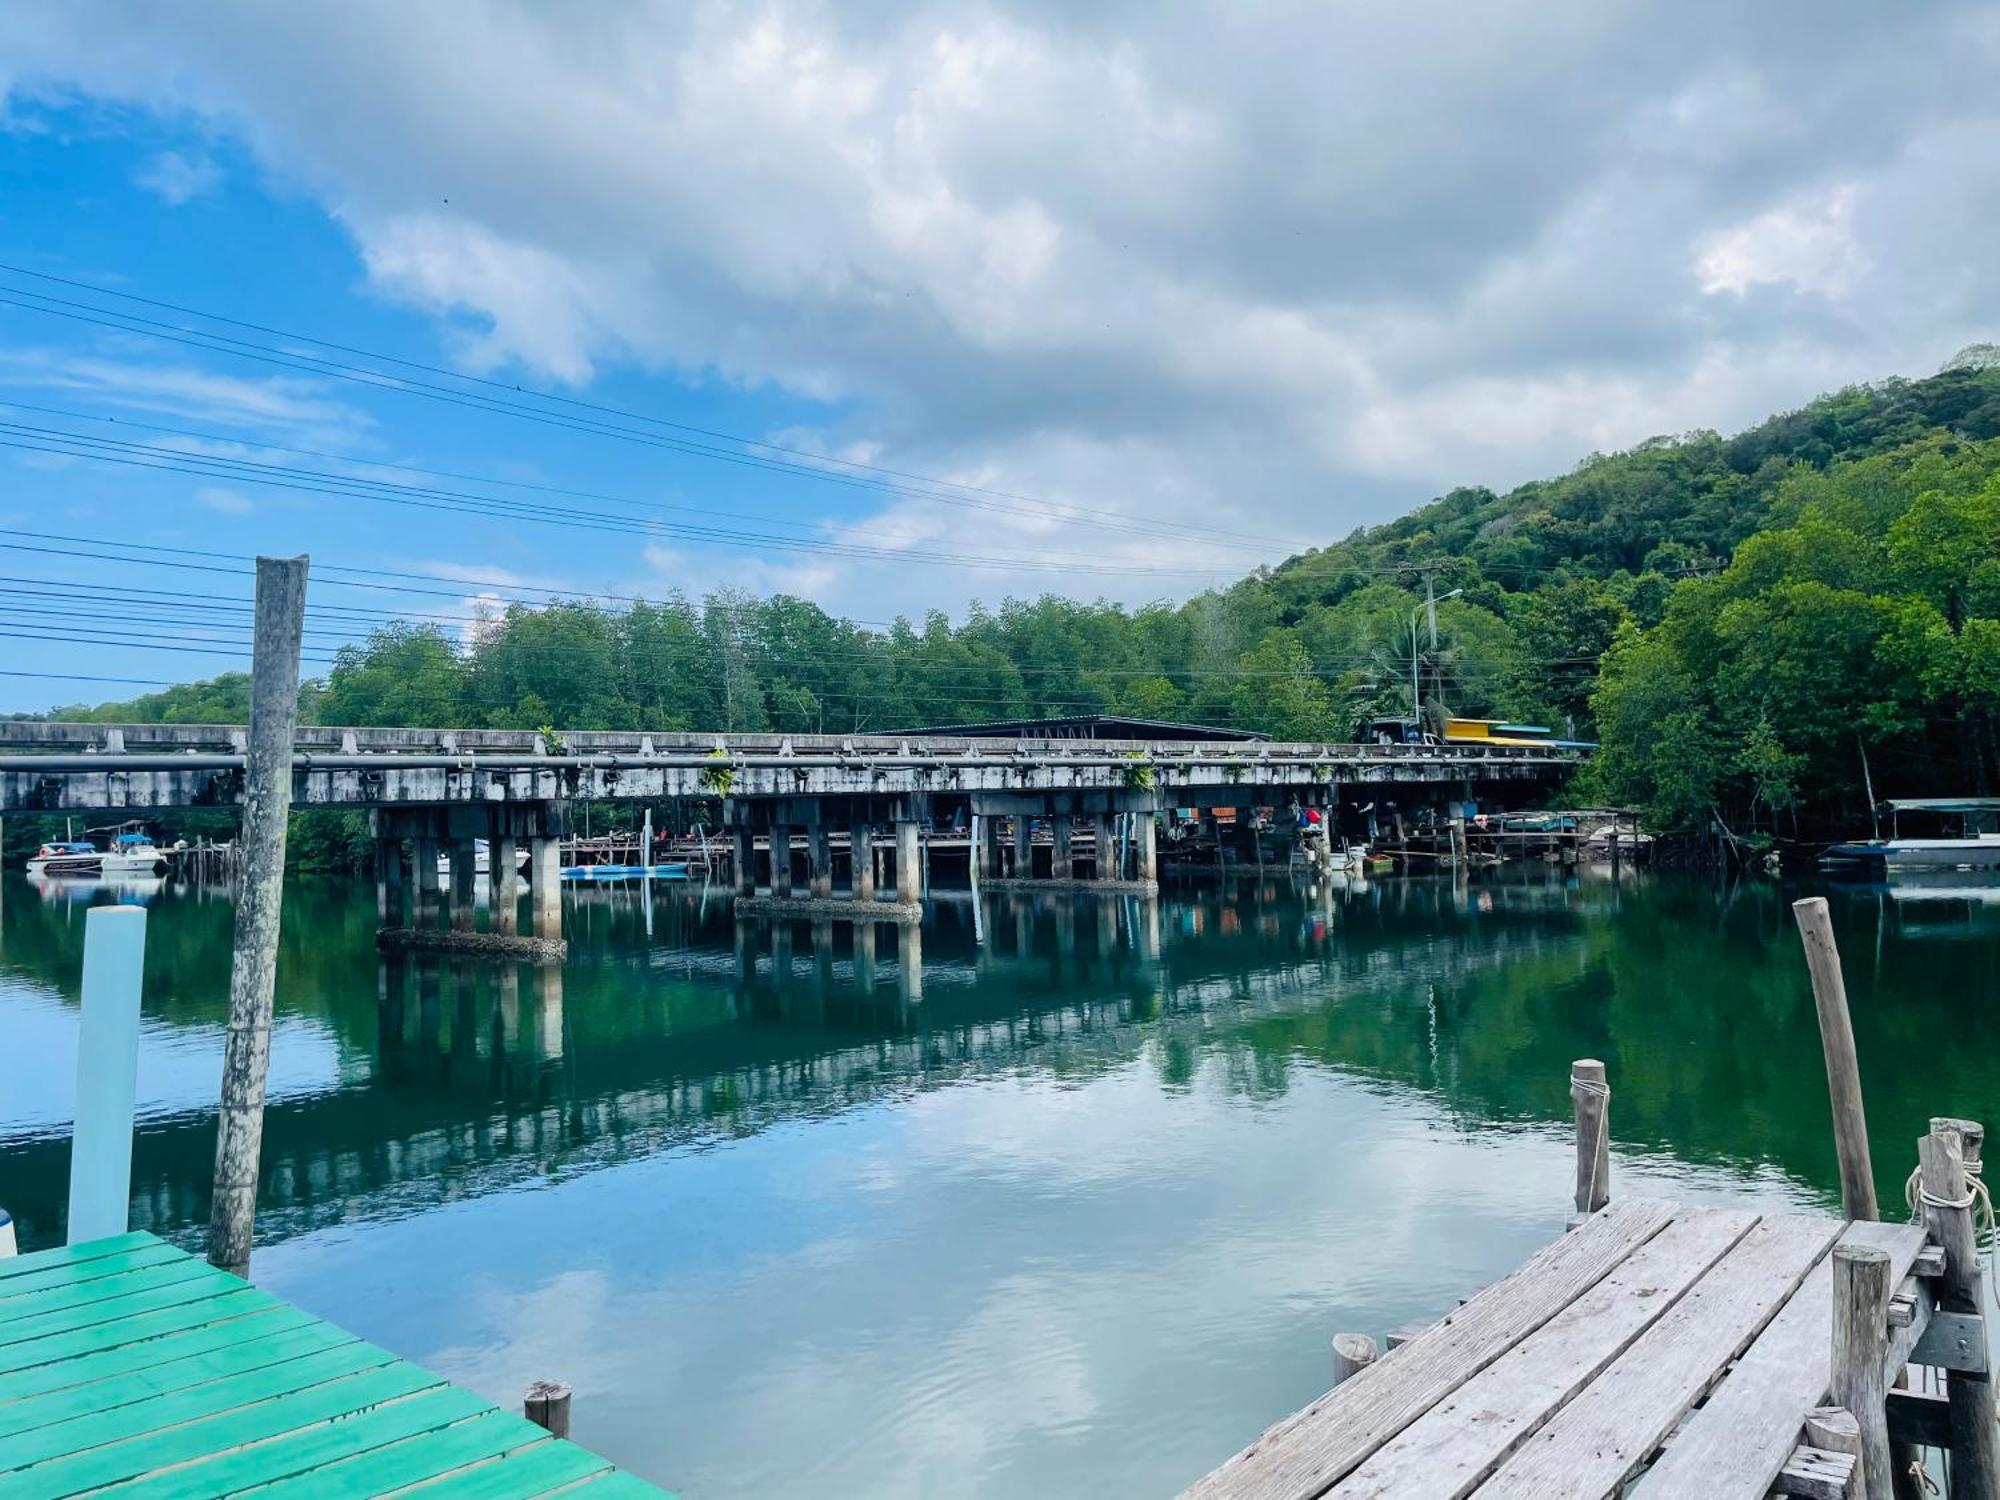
1679,1347
130,1367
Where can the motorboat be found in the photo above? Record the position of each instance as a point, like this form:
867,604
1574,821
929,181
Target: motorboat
67,857
1975,847
129,853
132,853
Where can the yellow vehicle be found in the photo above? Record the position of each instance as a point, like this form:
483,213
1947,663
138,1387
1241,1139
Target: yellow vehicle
1499,732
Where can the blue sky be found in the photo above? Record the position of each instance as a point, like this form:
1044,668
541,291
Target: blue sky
1147,297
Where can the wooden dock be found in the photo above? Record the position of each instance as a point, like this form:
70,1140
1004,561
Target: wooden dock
126,1364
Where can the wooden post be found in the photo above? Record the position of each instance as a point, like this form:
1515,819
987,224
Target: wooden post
1832,1429
1352,1353
267,804
1592,1096
107,1066
1860,1355
1843,1068
547,1405
1947,1202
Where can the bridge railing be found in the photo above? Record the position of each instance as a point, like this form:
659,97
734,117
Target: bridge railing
27,743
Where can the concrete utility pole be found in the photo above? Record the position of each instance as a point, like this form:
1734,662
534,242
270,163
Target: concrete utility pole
267,803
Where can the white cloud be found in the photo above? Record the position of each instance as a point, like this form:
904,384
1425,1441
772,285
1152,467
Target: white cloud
292,405
227,502
176,177
1275,269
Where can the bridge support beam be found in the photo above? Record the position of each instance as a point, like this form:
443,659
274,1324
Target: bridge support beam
456,830
503,884
743,862
1024,847
781,860
545,885
1103,809
464,886
819,855
861,859
424,851
1061,864
1104,850
909,868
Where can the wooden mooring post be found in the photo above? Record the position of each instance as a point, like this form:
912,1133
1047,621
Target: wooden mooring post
1843,1067
1860,1356
546,1404
1948,1161
267,803
1592,1097
1352,1353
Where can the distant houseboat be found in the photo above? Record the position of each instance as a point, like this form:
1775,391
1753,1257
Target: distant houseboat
1975,846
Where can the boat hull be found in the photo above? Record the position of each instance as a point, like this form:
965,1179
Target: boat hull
1920,854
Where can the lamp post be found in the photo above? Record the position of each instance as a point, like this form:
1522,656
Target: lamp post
1428,607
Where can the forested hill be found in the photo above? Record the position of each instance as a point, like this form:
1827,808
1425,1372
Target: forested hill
1738,619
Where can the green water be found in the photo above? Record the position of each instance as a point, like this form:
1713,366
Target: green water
1078,1221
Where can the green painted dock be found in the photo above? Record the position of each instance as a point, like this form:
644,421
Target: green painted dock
131,1368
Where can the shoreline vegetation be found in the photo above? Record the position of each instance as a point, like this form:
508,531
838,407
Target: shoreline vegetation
1752,627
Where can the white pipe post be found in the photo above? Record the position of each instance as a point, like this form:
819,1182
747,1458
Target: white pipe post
107,1072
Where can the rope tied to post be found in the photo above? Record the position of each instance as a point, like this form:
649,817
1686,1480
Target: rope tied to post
1581,1089
1978,1197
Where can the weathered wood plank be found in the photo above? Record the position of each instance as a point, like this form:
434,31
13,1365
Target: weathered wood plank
93,1429
1311,1450
1446,1452
552,1466
21,1311
307,1461
164,1350
1590,1447
72,1255
163,1375
1737,1443
31,1353
71,1272
133,1457
402,1460
201,1284
1815,1474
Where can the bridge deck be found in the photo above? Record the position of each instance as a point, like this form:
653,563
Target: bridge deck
126,1362
1567,1377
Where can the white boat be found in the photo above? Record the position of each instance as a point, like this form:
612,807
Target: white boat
129,853
1977,846
67,857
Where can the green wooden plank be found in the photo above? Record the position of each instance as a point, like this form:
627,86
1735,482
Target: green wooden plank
533,1471
340,1458
18,1310
70,1272
95,1429
115,1310
265,1321
616,1484
228,1430
63,1255
166,1375
484,1436
133,1330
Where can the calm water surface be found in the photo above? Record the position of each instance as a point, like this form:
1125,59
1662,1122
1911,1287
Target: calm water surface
1079,1221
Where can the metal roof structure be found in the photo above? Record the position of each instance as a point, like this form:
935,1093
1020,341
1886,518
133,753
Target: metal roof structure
1088,727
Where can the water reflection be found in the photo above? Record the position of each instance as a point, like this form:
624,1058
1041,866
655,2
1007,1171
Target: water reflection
1079,1202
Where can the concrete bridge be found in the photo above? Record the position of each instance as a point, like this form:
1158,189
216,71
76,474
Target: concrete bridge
432,789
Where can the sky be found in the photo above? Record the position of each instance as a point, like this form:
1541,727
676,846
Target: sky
899,307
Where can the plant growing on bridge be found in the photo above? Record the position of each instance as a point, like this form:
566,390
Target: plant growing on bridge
552,742
1139,775
718,780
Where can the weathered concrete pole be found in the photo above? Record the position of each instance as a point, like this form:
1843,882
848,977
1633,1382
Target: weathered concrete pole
424,852
545,884
1148,845
861,857
745,861
1060,864
1106,852
976,846
464,886
909,869
781,860
819,854
253,976
503,867
1024,847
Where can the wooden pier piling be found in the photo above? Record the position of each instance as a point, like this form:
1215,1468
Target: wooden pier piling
1843,1068
1592,1098
1946,1158
546,1404
1352,1353
1861,1286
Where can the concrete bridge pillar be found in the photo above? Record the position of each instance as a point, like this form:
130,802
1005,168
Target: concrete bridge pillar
861,857
910,959
781,860
464,885
1146,843
1061,866
976,848
819,854
1106,852
744,861
545,884
389,882
909,869
503,884
424,854
1024,847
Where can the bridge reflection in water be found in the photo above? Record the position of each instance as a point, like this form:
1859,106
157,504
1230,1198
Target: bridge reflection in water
674,1024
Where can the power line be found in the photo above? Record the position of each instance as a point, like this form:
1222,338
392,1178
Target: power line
853,473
